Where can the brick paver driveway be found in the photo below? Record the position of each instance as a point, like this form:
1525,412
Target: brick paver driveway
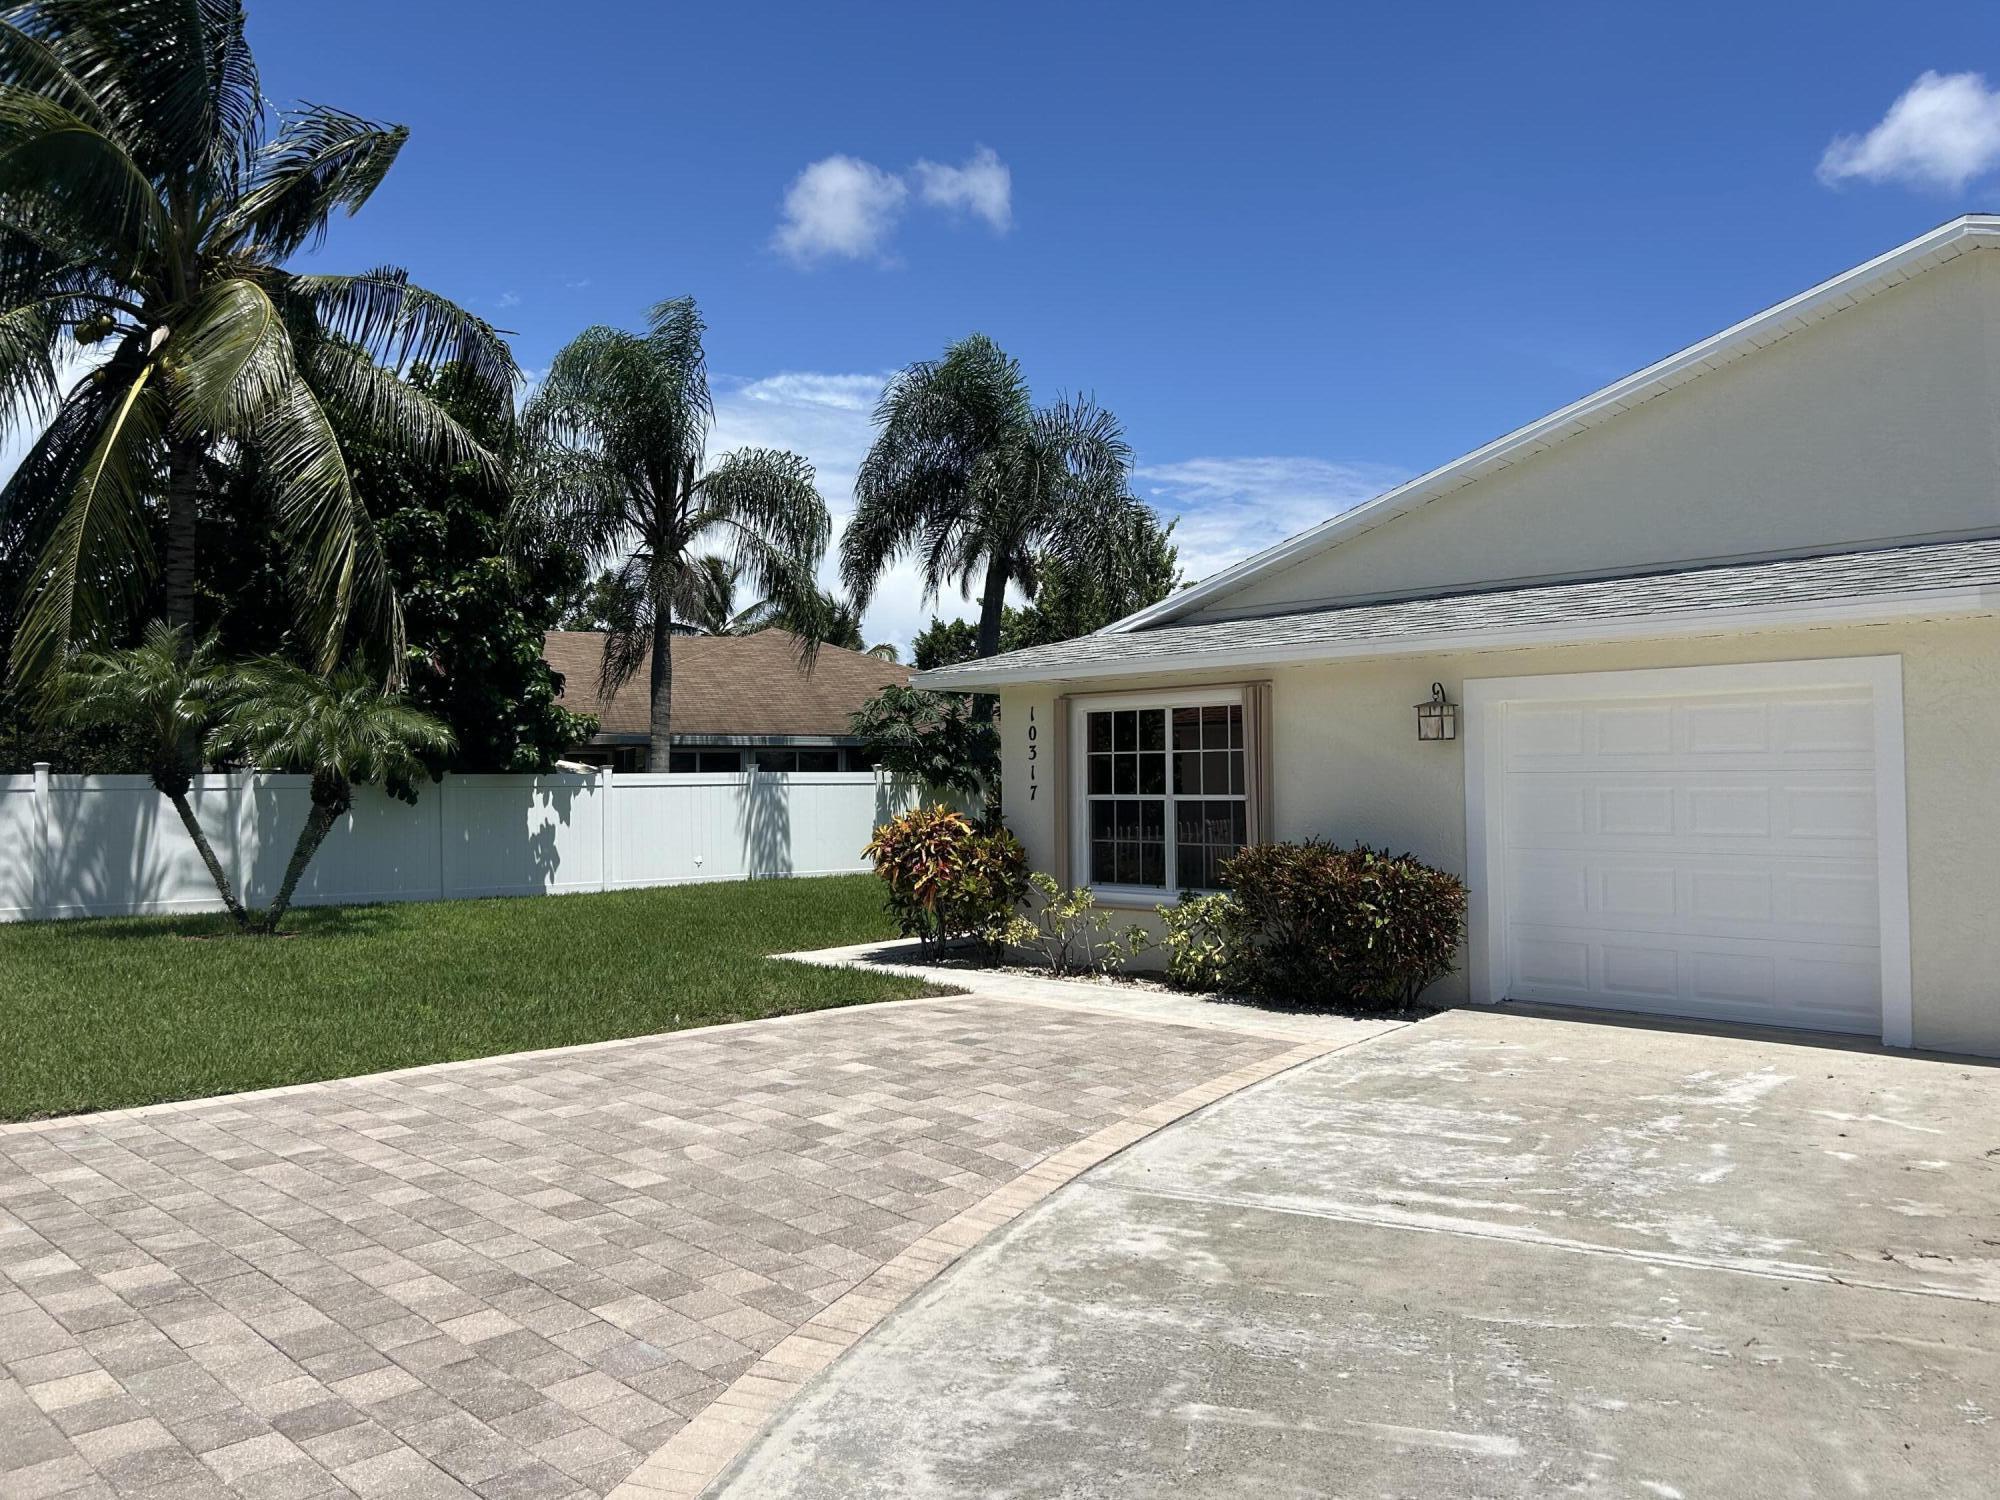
516,1277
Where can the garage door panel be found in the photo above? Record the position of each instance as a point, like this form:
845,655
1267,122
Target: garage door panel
1824,986
1821,814
1783,900
1824,730
1712,855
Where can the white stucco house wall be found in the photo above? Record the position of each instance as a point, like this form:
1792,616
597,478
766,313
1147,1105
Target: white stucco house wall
1724,643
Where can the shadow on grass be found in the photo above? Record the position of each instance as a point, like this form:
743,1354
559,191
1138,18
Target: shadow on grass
315,921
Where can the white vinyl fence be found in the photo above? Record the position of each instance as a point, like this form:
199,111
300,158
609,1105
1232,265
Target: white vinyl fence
76,846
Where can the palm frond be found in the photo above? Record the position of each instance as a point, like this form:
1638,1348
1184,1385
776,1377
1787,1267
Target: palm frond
630,607
94,567
399,324
230,359
62,178
338,569
394,411
175,77
321,161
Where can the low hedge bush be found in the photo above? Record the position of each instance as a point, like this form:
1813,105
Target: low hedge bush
1316,924
949,880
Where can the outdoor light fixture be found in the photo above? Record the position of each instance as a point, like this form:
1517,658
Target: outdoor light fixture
1437,719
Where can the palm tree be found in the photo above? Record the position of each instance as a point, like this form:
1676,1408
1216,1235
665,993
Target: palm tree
712,606
147,213
620,427
339,729
165,694
970,476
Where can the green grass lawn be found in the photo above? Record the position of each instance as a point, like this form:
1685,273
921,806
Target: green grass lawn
121,1011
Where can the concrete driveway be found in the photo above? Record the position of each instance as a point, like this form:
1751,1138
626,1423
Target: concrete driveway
1489,1255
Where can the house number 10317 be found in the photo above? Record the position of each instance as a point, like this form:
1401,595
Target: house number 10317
1034,753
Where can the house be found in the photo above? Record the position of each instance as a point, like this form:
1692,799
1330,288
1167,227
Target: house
741,702
1720,642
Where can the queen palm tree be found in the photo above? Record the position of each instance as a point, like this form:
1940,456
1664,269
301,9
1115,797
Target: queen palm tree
148,212
165,695
967,474
340,729
620,429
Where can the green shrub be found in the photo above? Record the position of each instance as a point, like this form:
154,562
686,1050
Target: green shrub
1073,934
948,880
1203,950
1315,924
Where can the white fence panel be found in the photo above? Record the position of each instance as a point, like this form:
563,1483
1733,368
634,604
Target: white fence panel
521,835
111,845
21,812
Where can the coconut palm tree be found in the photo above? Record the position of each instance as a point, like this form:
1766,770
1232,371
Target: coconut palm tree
620,429
340,730
967,474
165,695
148,212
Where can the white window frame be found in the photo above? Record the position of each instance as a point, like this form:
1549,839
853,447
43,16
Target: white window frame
1080,708
1882,676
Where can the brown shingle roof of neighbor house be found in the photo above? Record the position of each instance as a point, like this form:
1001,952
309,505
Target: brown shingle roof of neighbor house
727,685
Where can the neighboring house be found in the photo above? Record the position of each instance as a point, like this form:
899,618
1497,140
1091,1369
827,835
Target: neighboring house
1723,646
741,702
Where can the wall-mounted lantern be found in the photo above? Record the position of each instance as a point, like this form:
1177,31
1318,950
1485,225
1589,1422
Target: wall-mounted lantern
1437,719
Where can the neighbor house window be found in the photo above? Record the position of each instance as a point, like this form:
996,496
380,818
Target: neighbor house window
691,762
798,760
1164,799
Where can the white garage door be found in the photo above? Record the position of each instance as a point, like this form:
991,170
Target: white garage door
1699,854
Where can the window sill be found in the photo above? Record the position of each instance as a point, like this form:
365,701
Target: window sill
1135,898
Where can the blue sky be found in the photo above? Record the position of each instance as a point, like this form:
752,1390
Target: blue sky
1302,251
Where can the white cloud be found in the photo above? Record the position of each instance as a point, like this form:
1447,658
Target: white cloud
1229,508
840,206
1943,132
982,187
828,418
847,208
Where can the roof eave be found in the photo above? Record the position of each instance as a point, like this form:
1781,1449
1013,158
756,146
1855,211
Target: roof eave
1807,307
1936,603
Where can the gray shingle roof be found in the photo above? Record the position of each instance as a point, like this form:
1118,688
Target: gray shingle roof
1414,625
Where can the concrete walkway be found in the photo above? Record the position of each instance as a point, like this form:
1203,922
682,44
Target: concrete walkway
1489,1255
543,1276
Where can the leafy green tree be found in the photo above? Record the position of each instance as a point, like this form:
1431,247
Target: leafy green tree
620,428
340,729
946,643
1070,601
1075,600
971,478
477,597
149,212
164,696
933,737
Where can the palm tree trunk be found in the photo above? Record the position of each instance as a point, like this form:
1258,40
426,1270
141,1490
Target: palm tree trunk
215,870
183,534
319,822
660,745
992,605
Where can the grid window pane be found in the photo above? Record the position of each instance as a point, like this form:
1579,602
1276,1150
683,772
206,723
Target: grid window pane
1125,781
1187,729
1187,775
1164,790
1102,870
